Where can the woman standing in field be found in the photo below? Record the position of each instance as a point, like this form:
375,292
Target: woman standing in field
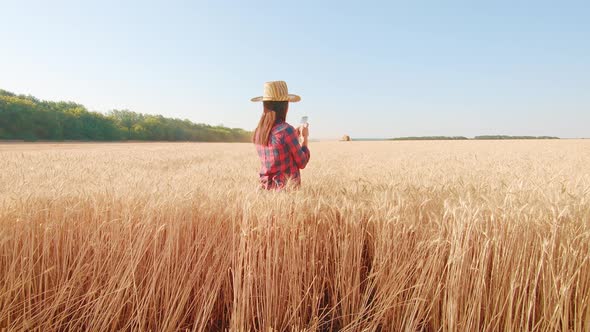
277,142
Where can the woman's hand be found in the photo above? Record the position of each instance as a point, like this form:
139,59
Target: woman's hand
304,130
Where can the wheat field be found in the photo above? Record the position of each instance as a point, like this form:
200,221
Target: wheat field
382,236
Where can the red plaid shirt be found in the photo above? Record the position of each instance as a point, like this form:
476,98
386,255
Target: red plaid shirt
282,158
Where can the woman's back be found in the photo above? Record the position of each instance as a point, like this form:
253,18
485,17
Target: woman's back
282,158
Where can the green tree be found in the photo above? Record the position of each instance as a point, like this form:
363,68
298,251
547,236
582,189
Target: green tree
126,119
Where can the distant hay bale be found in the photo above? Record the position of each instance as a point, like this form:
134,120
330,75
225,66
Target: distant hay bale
345,138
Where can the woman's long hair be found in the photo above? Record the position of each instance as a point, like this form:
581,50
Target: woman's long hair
273,111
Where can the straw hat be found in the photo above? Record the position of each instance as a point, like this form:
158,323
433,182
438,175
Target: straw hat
277,91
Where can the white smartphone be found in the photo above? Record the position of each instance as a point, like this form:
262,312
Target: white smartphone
304,120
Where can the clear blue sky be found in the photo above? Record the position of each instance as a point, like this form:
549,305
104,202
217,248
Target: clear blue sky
368,69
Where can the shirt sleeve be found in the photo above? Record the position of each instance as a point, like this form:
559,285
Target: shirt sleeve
299,153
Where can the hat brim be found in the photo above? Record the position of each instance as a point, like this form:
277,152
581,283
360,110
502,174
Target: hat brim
290,98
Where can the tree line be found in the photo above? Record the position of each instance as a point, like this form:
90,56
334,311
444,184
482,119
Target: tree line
429,138
453,138
28,118
514,137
